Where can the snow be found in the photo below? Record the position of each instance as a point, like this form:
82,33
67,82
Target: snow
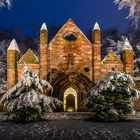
127,45
29,93
44,27
13,46
3,47
96,26
5,2
115,89
137,69
134,9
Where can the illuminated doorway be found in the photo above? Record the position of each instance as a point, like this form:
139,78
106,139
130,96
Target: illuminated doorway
70,100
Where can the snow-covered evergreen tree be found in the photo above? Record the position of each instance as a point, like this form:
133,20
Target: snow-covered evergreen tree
3,47
134,8
26,100
5,2
111,97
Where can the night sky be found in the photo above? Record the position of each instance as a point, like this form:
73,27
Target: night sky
85,13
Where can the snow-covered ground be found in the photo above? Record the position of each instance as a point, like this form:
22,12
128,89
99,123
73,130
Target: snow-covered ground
70,130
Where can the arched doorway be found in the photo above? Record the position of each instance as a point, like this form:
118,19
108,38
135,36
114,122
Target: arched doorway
78,83
70,100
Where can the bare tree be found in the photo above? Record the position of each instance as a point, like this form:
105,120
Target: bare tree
134,9
5,2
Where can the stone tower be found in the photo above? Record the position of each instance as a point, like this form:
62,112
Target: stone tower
96,53
13,54
128,58
43,61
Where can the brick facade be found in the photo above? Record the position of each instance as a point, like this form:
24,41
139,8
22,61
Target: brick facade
69,61
71,56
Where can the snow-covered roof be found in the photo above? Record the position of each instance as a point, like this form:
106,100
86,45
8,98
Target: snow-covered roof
96,26
13,46
43,27
127,45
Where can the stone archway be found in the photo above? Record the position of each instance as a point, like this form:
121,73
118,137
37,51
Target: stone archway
70,100
77,81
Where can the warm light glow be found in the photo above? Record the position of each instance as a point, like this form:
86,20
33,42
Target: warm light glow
70,109
69,91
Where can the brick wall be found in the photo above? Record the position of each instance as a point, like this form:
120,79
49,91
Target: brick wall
111,61
128,59
12,58
71,55
33,67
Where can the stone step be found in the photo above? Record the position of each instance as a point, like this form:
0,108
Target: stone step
69,116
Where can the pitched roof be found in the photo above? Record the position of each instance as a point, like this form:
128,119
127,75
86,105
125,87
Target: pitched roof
29,58
111,56
13,46
66,25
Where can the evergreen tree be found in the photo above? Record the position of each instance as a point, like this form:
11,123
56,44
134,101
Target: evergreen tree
26,100
111,97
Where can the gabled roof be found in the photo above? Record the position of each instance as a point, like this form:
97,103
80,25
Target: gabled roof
66,25
13,46
29,58
111,56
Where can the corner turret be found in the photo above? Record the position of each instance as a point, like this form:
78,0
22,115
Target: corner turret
43,62
128,58
96,53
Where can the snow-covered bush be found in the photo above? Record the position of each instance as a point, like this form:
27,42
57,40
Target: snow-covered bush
111,98
26,101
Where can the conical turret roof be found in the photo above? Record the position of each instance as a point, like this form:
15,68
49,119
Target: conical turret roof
127,45
96,26
43,27
13,46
